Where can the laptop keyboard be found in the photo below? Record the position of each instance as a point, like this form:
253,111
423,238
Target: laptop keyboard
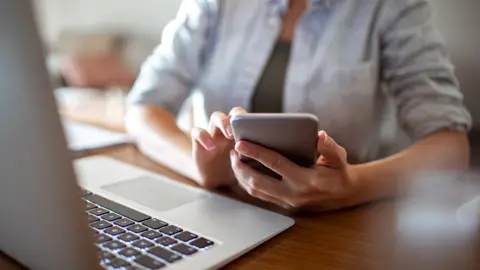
129,239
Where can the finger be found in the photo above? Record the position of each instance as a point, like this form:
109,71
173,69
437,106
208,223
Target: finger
332,154
202,137
262,196
241,176
237,111
269,159
257,184
221,121
233,112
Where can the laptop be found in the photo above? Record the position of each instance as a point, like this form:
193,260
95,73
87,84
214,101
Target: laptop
99,213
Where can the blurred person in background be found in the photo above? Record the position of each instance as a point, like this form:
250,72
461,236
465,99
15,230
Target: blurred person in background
374,72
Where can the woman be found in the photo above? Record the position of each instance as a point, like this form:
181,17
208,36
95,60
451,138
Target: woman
375,73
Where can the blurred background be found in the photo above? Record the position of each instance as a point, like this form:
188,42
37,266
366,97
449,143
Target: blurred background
136,26
95,50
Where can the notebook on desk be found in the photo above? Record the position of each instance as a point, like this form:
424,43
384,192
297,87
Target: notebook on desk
82,137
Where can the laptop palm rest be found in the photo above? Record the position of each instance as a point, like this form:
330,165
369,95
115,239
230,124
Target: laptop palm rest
157,195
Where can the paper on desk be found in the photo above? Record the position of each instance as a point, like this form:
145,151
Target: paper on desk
83,137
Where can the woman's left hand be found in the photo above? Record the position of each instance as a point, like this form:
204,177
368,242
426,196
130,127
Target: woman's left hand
325,186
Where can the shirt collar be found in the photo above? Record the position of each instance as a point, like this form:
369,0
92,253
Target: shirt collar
283,4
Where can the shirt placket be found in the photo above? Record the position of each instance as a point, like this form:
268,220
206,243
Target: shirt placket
256,56
304,42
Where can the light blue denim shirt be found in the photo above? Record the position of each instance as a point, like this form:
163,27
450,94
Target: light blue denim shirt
370,70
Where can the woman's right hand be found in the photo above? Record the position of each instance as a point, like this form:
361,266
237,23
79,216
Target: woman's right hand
211,150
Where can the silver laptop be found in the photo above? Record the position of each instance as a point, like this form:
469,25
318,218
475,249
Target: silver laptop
136,219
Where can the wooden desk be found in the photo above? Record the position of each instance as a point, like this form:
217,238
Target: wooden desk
415,233
381,235
419,232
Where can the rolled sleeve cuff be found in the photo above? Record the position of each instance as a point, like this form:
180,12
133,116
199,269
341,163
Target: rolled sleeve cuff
429,118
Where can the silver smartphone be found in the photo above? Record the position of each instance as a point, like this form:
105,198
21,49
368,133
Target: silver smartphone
293,135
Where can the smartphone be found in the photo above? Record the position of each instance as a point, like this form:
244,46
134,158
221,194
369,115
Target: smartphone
293,135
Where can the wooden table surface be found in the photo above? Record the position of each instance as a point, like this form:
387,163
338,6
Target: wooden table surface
416,232
421,231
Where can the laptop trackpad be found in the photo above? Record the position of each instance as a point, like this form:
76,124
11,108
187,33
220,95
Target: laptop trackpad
153,193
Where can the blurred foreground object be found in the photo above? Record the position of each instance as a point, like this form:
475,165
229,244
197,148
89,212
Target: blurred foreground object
430,228
469,213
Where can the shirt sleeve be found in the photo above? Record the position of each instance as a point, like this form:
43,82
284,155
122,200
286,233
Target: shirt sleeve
418,73
168,75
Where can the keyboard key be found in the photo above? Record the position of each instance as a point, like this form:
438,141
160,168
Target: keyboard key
151,234
142,244
166,241
165,254
184,249
128,237
185,236
105,255
85,193
201,243
137,228
102,238
114,245
94,231
129,252
149,262
114,231
111,216
123,222
92,219
132,268
118,208
117,263
89,206
154,223
100,225
170,230
98,211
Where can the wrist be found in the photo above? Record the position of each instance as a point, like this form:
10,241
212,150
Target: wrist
356,186
354,176
369,183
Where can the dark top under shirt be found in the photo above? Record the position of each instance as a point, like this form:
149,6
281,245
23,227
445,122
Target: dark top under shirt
268,95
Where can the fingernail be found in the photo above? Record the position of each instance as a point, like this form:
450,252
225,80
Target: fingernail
322,136
232,154
241,147
210,144
230,131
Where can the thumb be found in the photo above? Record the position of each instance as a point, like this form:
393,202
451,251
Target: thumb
237,111
332,154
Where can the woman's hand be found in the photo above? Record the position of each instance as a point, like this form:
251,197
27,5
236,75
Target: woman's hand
326,185
211,150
